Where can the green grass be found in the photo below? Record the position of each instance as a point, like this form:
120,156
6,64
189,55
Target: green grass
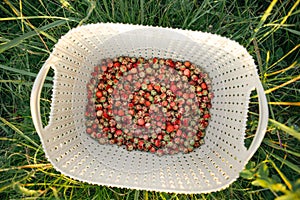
268,29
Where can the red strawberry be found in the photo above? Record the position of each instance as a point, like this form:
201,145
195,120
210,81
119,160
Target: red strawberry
203,86
148,103
206,116
99,94
118,132
117,64
187,63
157,143
170,128
104,68
141,122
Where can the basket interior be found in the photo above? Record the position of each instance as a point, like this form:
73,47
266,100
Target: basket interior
212,166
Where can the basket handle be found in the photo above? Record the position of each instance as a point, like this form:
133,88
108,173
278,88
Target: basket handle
263,120
35,98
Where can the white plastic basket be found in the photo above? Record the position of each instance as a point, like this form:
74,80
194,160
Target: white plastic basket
209,168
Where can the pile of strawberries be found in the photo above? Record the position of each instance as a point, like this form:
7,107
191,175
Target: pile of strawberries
156,105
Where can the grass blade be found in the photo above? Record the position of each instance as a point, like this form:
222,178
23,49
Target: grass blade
283,177
22,72
285,128
282,85
287,163
294,64
45,166
283,57
293,31
279,86
37,17
145,196
275,146
5,187
136,195
264,18
92,6
283,21
285,103
20,39
18,131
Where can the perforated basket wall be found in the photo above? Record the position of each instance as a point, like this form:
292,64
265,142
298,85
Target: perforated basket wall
212,167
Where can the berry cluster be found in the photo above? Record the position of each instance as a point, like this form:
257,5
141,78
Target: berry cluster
147,104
